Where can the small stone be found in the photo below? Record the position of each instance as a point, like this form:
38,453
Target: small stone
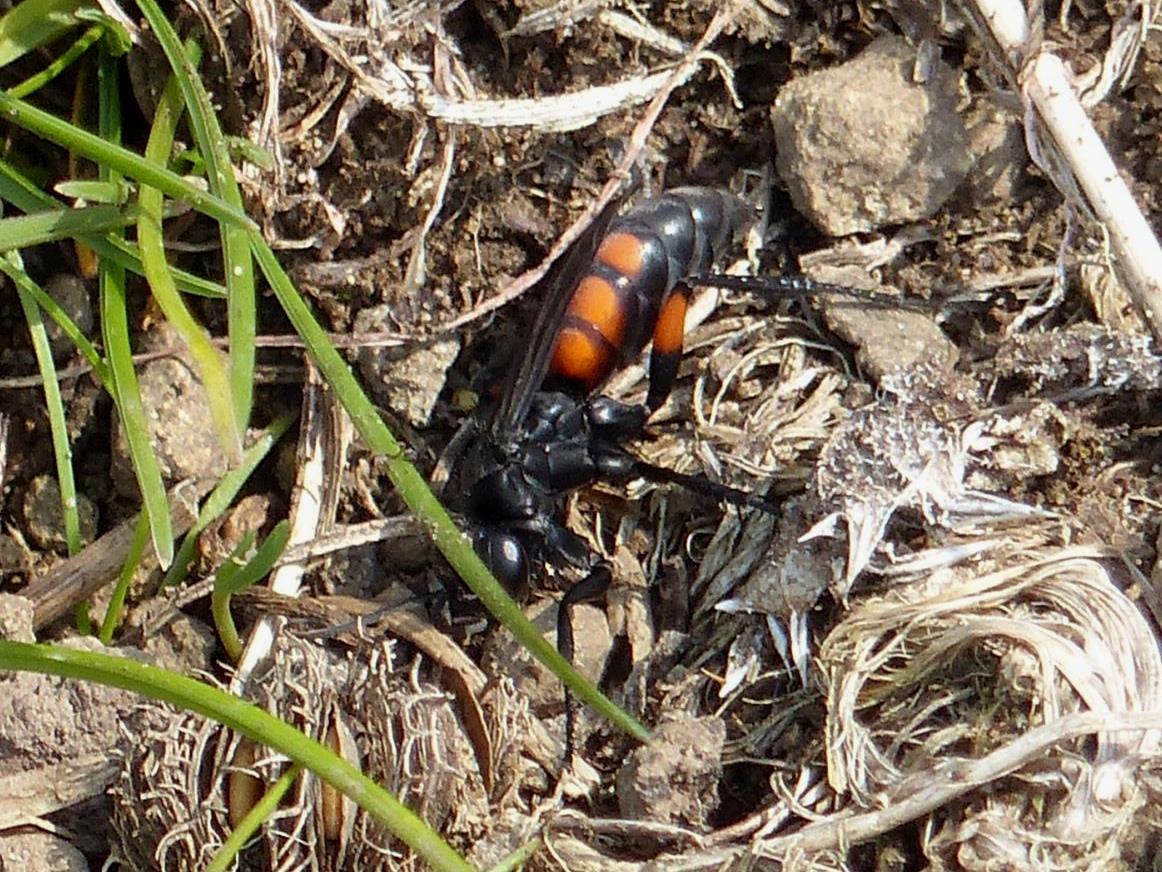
592,642
14,555
16,619
44,520
997,142
674,779
863,145
409,383
888,337
182,435
30,848
183,644
72,295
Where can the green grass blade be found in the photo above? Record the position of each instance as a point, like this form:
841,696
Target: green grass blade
124,579
515,861
62,451
455,547
237,263
63,224
123,378
260,565
224,494
248,827
207,360
234,577
250,721
122,160
220,598
58,65
93,192
33,23
18,190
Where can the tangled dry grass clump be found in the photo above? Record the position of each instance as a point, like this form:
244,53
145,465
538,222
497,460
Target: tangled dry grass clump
944,650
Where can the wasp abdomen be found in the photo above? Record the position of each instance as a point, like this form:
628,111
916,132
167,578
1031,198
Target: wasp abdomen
622,299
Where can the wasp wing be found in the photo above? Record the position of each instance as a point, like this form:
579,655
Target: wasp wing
559,284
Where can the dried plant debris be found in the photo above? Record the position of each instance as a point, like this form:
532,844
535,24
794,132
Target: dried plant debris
184,785
1079,362
986,624
932,679
932,650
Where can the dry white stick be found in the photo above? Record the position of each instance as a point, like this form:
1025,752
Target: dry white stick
909,800
307,511
557,113
1046,84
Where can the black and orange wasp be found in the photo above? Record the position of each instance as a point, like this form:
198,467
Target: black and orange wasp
625,282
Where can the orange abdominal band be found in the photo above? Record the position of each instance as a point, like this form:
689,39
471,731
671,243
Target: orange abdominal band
671,324
623,252
595,322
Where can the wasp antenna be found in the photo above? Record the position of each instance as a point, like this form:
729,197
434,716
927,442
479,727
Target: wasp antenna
795,285
786,284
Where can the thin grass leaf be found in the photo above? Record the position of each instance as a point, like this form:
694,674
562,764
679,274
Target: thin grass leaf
237,263
33,23
118,41
250,721
224,494
123,378
517,859
260,565
455,547
234,577
27,286
62,451
124,579
120,159
58,65
251,152
207,360
248,827
94,192
44,227
17,189
220,598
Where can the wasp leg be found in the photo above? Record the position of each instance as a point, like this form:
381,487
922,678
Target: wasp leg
591,587
669,334
617,465
614,420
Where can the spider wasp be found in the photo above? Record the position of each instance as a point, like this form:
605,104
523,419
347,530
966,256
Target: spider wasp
625,282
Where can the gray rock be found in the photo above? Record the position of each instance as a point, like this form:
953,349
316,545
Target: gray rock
43,519
863,145
674,779
29,848
182,435
408,382
72,295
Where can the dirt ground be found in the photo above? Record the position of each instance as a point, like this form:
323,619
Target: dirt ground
906,666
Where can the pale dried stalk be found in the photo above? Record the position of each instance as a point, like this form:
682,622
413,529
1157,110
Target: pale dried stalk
311,514
1048,88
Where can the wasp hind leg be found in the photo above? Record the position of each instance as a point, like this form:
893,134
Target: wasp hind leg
669,336
589,589
618,421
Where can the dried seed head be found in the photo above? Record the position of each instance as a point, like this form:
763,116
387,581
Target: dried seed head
185,786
